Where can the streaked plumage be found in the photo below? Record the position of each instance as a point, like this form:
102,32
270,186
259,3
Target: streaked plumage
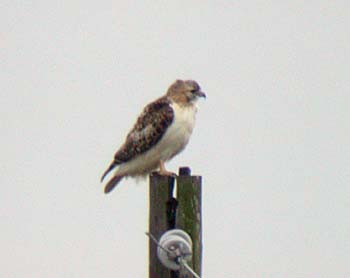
160,132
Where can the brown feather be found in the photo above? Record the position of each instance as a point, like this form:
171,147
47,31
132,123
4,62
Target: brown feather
110,168
148,130
112,183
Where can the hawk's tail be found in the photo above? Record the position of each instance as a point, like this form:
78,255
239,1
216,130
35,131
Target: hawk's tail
112,183
110,168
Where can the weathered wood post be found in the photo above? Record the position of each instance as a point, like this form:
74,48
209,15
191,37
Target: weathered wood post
160,219
166,212
189,215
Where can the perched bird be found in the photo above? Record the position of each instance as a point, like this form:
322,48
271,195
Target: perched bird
160,132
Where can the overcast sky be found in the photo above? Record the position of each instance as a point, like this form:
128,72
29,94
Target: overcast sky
271,140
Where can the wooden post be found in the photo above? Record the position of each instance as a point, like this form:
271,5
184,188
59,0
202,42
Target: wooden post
189,216
166,212
161,219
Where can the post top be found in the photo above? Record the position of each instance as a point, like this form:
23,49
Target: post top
184,171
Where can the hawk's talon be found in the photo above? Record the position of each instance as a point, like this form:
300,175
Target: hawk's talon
164,172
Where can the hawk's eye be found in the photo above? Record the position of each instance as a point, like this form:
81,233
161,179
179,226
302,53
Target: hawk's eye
193,91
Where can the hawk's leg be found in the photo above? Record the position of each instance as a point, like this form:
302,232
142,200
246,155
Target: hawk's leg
163,171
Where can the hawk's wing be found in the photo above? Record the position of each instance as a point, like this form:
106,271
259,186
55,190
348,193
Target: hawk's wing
148,130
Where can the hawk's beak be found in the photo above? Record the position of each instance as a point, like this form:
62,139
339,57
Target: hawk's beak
201,94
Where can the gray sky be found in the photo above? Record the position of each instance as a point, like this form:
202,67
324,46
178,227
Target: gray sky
271,140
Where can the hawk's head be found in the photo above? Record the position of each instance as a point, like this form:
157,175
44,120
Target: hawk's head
185,91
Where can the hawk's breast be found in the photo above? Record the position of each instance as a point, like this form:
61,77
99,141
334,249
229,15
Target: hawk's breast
178,133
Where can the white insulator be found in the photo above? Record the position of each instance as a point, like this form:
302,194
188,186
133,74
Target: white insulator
176,232
174,244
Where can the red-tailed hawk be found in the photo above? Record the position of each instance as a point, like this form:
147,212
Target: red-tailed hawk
161,132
